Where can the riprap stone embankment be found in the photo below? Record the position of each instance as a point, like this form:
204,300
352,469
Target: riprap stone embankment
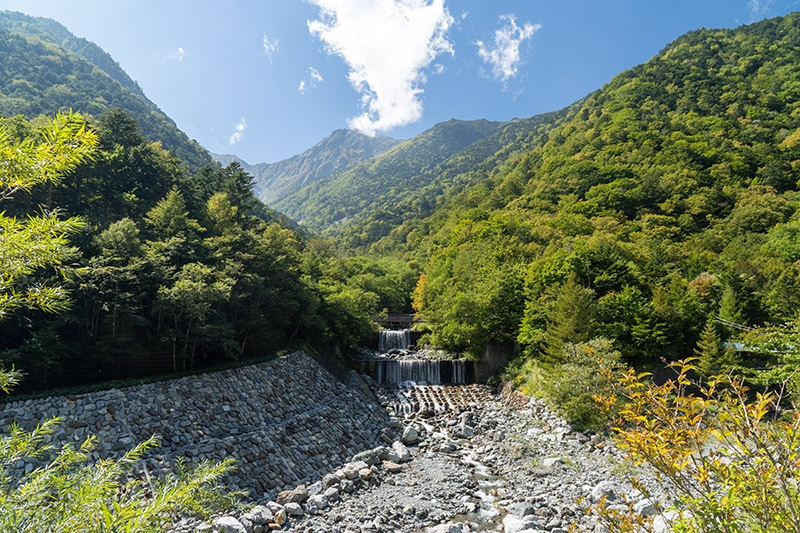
286,421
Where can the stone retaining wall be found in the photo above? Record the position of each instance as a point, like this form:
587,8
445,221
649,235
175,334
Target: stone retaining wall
285,421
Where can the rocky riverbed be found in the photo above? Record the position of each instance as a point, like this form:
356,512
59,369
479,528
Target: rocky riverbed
483,462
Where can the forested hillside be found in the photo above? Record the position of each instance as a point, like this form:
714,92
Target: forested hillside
668,197
177,271
335,153
47,69
383,180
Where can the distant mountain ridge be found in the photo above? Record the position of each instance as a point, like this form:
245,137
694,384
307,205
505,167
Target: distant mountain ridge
348,193
47,69
337,152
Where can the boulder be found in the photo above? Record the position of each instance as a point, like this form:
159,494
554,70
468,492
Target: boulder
403,455
228,524
368,456
260,514
316,503
646,507
515,524
604,489
332,494
410,435
294,509
296,495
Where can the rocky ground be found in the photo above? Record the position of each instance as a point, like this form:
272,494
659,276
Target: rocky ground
467,460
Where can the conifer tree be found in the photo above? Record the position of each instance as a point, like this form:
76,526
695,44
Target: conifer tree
571,320
708,351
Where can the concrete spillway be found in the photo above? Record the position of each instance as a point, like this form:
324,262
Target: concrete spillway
391,339
434,372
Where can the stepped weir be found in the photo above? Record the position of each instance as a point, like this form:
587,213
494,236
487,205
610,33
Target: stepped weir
416,383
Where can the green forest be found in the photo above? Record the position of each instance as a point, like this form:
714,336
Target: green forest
669,197
177,270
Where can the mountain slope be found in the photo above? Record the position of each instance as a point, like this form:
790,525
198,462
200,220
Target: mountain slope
47,69
360,188
339,151
669,196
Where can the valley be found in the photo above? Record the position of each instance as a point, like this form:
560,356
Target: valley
490,325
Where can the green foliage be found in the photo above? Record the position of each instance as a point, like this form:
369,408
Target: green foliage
571,320
671,193
180,271
779,346
728,457
69,491
40,242
336,153
572,383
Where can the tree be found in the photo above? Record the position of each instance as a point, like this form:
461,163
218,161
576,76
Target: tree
571,320
71,492
40,242
708,351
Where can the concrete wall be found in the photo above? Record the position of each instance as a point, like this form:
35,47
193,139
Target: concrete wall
495,356
284,421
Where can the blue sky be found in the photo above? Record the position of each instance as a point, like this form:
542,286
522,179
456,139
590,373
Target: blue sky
267,79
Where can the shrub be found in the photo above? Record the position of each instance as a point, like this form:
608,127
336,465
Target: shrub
729,458
572,384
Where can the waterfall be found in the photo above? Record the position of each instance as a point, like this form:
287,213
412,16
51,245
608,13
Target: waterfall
391,339
395,371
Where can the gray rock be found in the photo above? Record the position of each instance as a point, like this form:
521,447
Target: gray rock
332,494
522,510
274,507
260,514
330,480
410,435
315,488
293,509
228,524
604,489
551,461
296,495
369,457
646,507
403,454
514,524
316,503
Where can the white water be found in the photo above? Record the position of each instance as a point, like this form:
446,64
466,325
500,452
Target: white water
396,371
391,339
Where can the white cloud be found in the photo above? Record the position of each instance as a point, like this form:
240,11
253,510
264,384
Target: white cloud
175,55
503,55
238,132
387,45
270,47
314,79
759,8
